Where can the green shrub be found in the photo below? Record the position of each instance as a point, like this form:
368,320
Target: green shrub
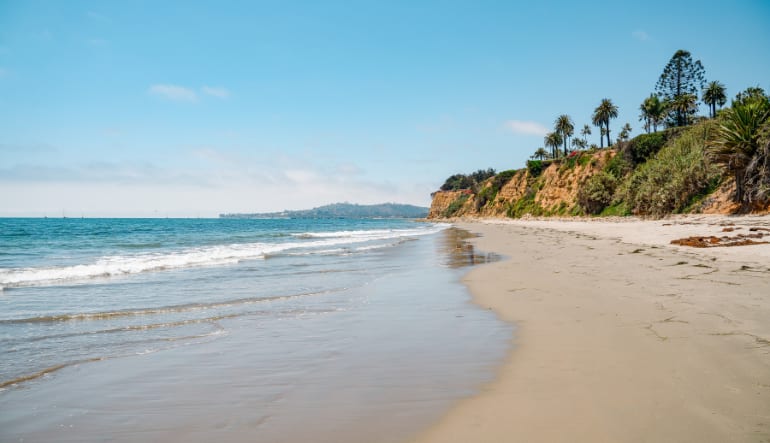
535,167
616,209
489,193
502,178
455,206
597,192
669,181
485,196
523,206
458,182
618,167
644,146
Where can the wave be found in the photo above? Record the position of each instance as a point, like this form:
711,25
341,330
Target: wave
120,265
105,315
374,234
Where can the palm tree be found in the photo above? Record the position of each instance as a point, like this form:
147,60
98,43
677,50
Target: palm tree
648,108
540,154
625,132
579,143
656,110
603,114
684,105
553,140
564,126
602,134
714,95
585,132
737,139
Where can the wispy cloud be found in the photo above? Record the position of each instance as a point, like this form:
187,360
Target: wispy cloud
640,35
3,72
525,127
216,91
174,93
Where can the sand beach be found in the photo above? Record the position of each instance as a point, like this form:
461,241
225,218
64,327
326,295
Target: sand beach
620,335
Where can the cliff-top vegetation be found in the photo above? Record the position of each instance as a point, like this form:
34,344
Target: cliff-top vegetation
675,166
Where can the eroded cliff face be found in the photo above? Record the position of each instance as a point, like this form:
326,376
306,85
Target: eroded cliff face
552,192
460,202
561,183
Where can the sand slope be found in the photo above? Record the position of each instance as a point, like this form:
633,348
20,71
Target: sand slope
621,337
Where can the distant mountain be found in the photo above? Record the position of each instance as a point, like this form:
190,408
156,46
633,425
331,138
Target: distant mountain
344,210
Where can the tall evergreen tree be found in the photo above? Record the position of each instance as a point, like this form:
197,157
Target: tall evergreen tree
680,76
714,95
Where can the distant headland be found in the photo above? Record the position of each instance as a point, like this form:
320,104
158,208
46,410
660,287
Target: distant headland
344,210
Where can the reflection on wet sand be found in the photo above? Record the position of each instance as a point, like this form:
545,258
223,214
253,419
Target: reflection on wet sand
458,252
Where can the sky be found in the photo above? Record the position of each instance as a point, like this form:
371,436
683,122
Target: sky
191,108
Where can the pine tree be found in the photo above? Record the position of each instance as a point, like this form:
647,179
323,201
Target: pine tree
680,77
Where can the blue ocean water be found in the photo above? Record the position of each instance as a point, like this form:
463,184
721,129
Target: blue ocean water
320,321
82,289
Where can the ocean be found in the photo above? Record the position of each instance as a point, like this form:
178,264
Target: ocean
236,329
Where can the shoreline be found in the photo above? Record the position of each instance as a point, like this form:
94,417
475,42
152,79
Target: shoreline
619,335
323,358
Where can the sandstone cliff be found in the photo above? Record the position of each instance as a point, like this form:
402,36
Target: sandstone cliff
552,191
564,187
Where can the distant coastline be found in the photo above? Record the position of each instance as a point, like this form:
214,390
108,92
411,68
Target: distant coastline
342,210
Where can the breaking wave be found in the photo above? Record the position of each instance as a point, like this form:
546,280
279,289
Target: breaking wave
120,265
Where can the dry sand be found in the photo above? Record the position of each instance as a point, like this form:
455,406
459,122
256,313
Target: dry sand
620,336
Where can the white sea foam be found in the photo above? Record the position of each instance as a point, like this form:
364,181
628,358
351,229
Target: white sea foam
117,265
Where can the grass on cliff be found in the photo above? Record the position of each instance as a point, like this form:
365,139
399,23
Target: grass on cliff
523,206
488,194
674,178
455,206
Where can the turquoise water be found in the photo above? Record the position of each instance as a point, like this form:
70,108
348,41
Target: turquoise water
334,323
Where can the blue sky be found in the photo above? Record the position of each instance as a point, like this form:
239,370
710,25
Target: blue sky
131,108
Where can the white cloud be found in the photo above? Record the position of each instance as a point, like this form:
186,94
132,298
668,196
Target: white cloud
216,181
174,92
640,35
525,127
216,91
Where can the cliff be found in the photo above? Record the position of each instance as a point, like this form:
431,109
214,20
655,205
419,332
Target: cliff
553,190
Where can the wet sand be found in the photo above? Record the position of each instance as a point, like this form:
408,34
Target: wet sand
376,362
621,336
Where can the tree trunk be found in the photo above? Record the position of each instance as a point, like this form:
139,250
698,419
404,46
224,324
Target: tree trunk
607,123
739,186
